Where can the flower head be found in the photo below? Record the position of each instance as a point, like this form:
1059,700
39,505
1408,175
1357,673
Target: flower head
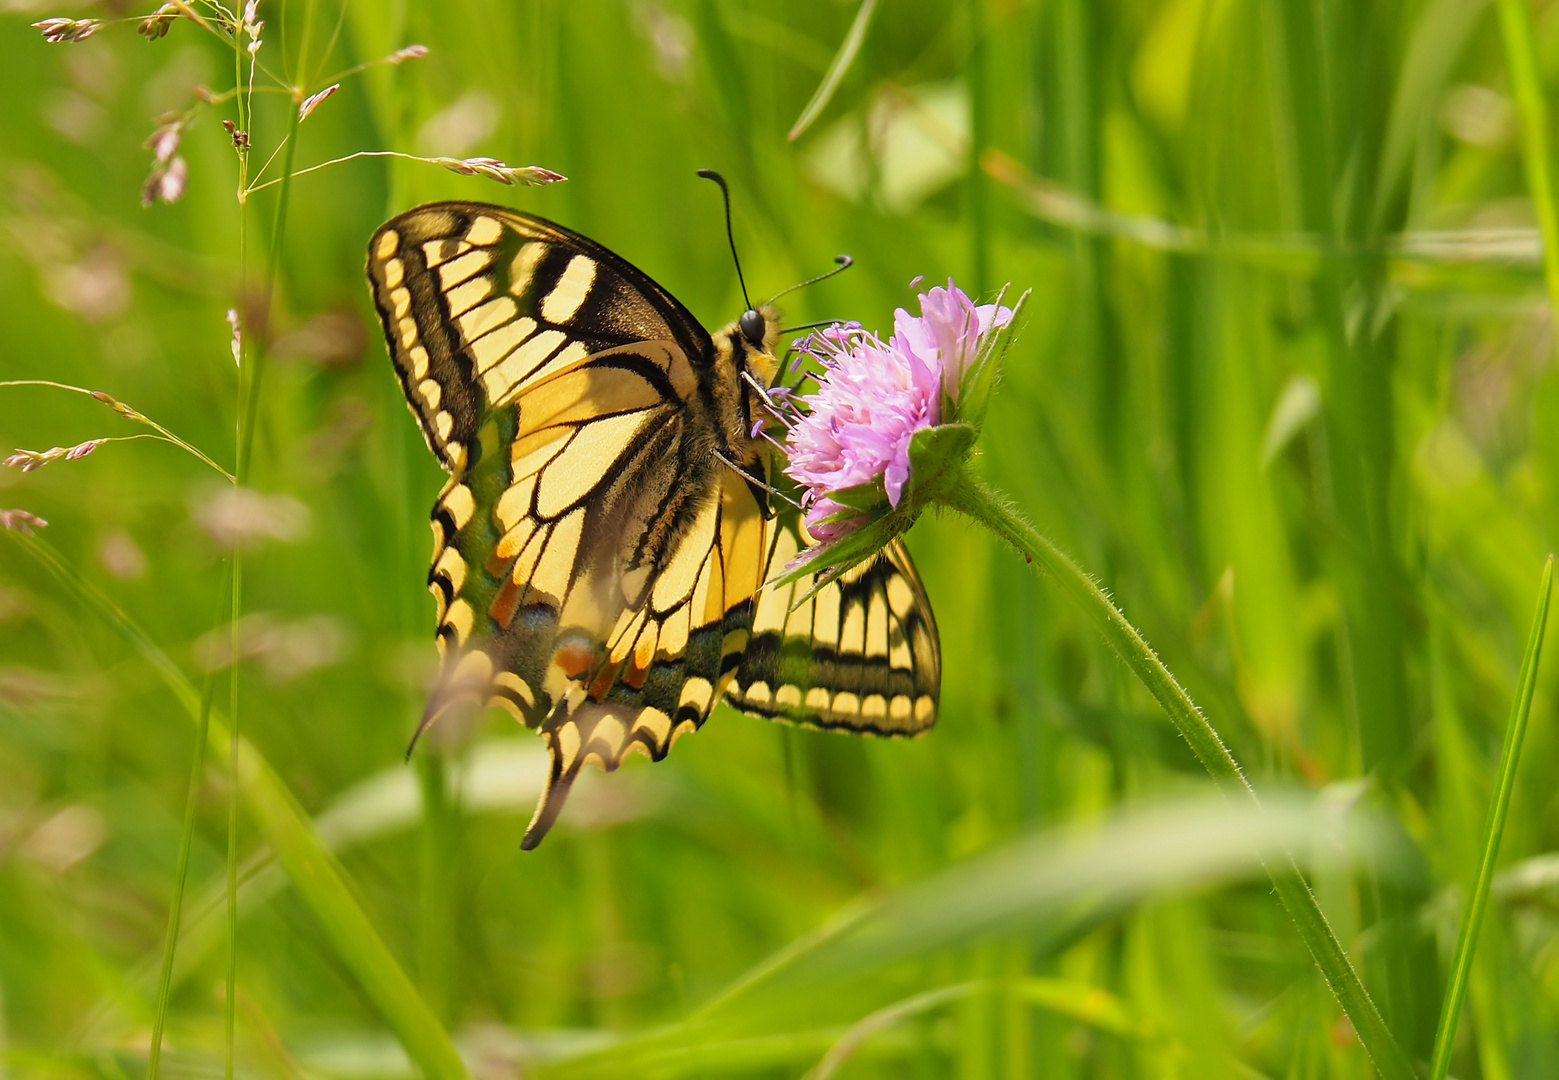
951,326
493,169
873,397
166,182
22,521
157,24
165,139
314,101
58,30
28,460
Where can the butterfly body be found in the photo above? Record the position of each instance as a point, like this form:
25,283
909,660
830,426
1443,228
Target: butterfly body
606,527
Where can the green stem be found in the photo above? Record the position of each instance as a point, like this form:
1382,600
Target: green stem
249,410
973,497
181,875
240,469
251,403
230,1002
1515,24
1477,903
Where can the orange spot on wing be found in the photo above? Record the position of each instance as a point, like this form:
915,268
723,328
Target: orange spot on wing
603,681
503,605
635,676
573,657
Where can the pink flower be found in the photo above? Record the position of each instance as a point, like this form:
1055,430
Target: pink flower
871,399
873,396
951,326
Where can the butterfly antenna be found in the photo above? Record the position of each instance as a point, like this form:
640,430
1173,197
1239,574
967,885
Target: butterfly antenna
710,174
811,325
842,263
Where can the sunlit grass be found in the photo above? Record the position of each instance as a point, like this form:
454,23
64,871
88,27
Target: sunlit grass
1285,387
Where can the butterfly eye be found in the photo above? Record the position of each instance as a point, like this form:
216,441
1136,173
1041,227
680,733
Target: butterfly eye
753,326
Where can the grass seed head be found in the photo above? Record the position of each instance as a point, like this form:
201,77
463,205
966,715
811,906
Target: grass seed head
158,23
22,521
56,31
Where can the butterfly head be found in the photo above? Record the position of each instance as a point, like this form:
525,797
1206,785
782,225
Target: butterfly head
754,327
750,341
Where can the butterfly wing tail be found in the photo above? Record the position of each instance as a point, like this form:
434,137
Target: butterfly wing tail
580,732
560,781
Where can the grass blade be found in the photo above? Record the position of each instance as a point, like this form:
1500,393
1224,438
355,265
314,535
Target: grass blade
289,832
836,70
1515,24
1472,918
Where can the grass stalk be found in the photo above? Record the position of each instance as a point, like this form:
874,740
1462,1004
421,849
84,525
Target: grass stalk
1477,902
230,999
836,70
1515,24
980,502
163,434
248,413
181,874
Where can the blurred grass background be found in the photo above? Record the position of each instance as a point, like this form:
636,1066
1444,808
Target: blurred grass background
1286,387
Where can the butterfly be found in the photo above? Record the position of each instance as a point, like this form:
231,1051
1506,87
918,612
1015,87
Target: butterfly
601,547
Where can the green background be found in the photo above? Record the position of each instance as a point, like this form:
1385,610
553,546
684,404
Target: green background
1285,387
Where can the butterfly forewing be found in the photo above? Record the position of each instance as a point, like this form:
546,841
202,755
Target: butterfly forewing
861,654
478,303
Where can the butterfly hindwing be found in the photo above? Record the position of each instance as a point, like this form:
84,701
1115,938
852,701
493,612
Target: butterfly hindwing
670,656
861,654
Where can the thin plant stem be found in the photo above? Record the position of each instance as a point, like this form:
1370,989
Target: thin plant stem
836,70
124,410
358,69
242,442
337,161
189,12
229,1002
1515,23
248,413
980,502
267,165
273,267
1477,902
181,874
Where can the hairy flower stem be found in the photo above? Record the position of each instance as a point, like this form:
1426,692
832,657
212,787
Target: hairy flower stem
979,501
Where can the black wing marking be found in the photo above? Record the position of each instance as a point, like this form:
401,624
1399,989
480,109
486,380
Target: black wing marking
860,655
